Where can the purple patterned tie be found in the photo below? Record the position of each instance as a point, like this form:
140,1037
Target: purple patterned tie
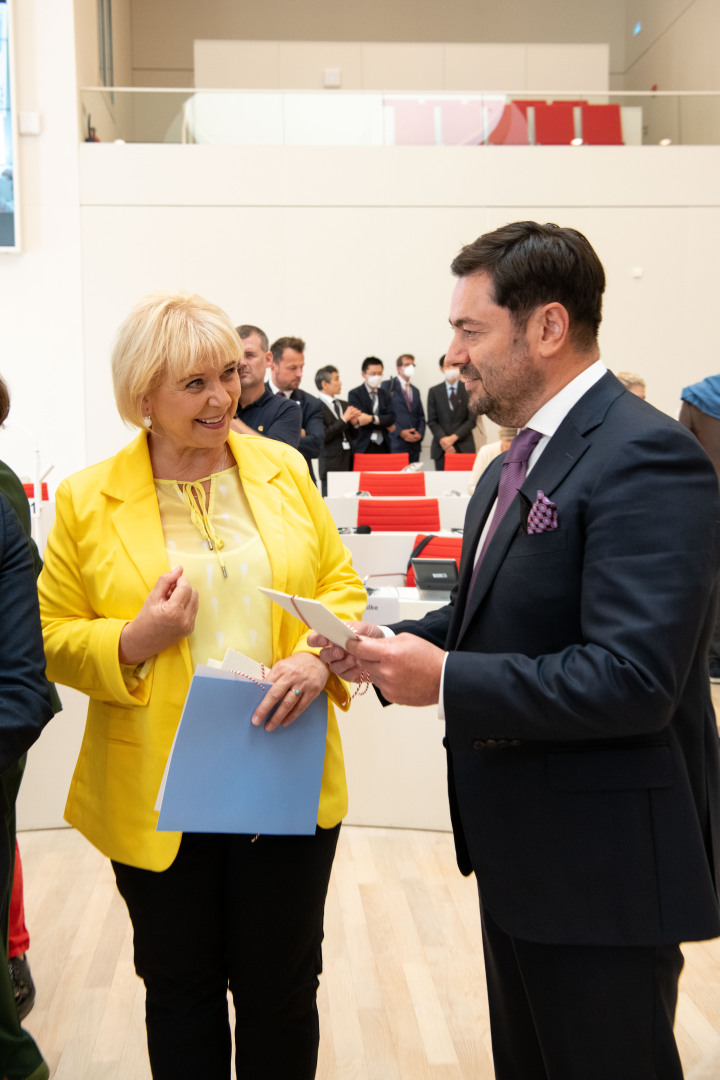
514,471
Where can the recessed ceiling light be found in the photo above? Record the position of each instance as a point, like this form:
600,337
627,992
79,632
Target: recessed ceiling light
665,142
637,28
576,142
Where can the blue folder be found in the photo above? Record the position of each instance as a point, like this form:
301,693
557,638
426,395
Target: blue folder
227,776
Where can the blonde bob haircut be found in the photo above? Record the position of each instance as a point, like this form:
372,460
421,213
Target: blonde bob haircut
166,337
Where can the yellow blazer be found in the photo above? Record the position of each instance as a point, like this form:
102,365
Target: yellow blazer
105,552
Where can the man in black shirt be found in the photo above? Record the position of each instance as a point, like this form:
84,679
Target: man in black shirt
260,411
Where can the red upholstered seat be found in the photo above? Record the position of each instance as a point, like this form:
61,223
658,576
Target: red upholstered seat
439,547
380,462
511,128
602,125
393,483
459,462
554,124
399,515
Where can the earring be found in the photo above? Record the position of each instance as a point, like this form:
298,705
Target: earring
147,421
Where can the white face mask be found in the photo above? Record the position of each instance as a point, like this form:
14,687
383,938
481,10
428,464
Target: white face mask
374,381
407,371
452,375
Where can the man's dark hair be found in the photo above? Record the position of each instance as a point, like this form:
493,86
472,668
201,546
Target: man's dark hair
441,361
278,347
246,330
4,401
369,361
530,264
404,356
323,375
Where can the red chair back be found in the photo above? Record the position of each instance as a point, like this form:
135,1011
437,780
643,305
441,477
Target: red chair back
602,125
459,462
380,462
438,547
554,124
399,515
411,483
511,128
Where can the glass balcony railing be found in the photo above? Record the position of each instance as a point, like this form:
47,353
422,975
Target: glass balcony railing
368,118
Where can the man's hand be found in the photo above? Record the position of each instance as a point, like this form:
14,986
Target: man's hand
364,418
351,415
406,669
166,617
410,434
338,659
448,442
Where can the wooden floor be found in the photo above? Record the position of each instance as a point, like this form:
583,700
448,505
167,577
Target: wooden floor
402,996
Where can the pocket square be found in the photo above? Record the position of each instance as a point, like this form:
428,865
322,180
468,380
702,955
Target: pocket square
542,515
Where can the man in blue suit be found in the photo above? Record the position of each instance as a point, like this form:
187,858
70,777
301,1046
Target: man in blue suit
286,369
570,668
407,409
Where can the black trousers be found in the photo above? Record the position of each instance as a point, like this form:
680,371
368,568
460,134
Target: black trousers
565,1012
233,913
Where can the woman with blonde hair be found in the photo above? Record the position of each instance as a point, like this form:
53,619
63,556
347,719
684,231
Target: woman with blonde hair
152,567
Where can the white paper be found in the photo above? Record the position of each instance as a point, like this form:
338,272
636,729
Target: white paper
315,614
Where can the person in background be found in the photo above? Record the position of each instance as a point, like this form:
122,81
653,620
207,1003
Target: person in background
700,412
488,453
151,568
407,408
286,370
261,411
26,705
338,418
12,488
375,422
632,382
449,418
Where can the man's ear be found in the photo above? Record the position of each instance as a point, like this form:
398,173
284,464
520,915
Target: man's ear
551,326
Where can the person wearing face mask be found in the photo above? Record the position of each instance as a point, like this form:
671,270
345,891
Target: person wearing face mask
449,418
375,421
407,409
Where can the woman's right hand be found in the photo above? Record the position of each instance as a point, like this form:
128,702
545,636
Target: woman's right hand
166,617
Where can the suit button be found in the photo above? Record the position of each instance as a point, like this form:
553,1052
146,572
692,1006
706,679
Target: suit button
491,743
479,744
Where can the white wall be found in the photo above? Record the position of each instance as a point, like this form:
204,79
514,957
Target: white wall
403,66
350,248
40,288
164,30
677,47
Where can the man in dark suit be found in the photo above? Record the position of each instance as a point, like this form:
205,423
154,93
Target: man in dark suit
338,418
571,671
286,369
376,416
407,408
449,417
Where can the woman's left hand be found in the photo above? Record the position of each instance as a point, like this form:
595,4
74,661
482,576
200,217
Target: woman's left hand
296,682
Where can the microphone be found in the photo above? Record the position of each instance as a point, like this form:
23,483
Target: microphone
345,529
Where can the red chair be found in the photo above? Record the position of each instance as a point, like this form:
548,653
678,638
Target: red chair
438,547
411,483
554,124
399,515
602,125
511,128
380,462
459,462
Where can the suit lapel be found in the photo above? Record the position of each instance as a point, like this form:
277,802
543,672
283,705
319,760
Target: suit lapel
137,517
562,453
